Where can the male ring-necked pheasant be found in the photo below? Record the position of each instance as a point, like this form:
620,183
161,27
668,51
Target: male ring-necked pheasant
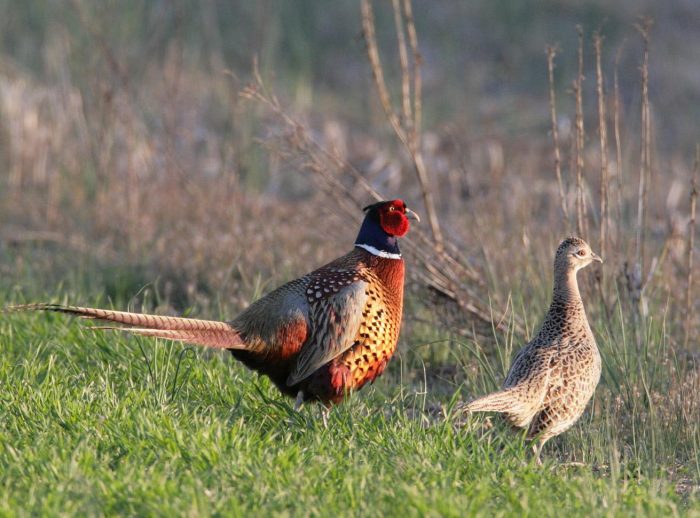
317,337
553,377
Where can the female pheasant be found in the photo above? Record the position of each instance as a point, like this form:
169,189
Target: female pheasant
317,337
553,377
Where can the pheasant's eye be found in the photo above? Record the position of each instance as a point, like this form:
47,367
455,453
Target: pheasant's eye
392,208
581,253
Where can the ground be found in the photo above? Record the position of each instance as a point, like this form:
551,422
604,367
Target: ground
103,423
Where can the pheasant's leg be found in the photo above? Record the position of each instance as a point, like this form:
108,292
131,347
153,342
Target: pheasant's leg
536,449
325,411
299,401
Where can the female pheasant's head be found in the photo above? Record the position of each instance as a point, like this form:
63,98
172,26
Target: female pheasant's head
573,254
384,223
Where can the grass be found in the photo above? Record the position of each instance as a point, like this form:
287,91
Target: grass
102,423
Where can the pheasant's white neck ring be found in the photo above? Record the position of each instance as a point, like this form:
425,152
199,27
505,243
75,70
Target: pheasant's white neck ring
374,239
379,253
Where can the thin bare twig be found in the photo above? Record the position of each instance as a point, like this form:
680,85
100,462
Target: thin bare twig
378,71
551,53
636,277
645,161
603,133
618,144
405,72
691,244
580,140
417,62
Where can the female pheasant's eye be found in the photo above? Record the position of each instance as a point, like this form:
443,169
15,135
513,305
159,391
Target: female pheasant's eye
581,253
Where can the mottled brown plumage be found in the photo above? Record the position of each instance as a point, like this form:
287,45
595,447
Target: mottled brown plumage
553,377
317,337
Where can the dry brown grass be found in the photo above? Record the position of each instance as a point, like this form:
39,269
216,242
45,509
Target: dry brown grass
170,171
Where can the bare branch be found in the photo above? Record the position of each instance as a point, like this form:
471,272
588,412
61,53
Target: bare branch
618,145
645,161
417,62
378,71
551,53
407,132
603,133
580,141
405,74
691,244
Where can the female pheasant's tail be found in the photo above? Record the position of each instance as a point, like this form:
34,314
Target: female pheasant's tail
502,401
207,333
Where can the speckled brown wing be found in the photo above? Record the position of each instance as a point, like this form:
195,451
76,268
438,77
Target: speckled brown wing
529,380
532,361
311,323
335,314
572,383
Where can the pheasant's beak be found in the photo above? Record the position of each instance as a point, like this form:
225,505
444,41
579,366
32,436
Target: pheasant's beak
596,257
412,215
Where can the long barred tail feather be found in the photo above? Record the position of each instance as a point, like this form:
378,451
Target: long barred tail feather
207,333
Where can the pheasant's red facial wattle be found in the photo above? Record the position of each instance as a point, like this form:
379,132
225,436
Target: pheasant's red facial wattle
392,218
384,224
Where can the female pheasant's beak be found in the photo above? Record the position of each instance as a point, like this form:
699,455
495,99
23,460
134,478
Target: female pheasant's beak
412,215
596,257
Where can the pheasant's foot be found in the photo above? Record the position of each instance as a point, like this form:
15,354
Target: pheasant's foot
536,449
299,401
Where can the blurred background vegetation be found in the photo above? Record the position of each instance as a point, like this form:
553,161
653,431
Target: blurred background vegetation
129,158
483,58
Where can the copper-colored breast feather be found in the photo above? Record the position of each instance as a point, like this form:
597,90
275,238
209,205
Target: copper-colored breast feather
376,338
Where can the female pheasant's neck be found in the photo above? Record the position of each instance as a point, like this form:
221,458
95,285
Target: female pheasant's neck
374,240
566,288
